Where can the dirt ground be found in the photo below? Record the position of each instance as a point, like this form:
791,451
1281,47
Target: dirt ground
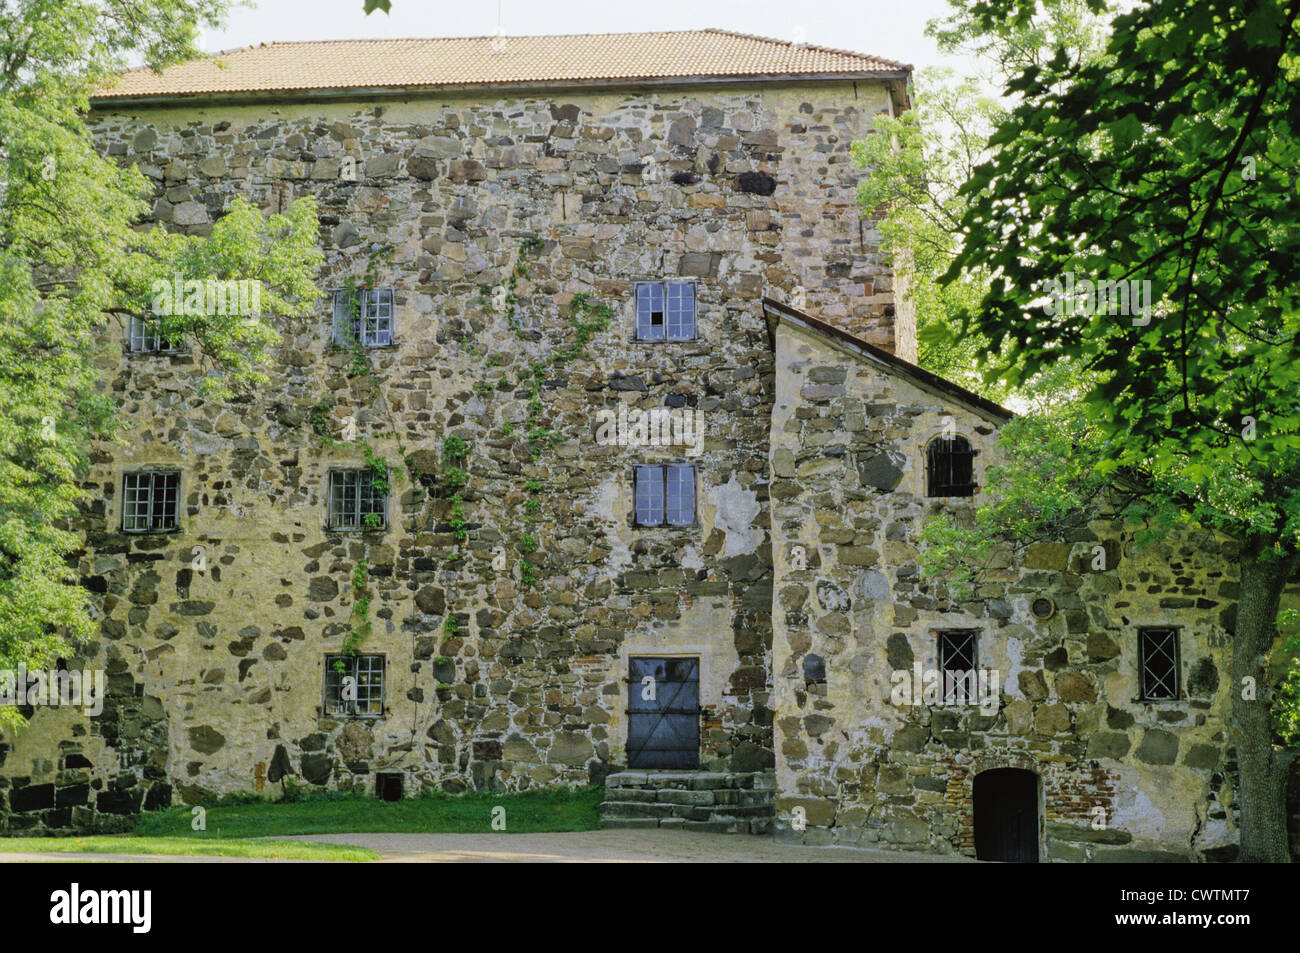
617,846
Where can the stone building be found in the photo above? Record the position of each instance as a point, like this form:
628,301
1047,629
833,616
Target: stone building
431,553
1089,713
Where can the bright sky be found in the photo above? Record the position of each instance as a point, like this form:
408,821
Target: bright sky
892,29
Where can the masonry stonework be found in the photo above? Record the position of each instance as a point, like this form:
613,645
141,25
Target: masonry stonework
1117,778
215,636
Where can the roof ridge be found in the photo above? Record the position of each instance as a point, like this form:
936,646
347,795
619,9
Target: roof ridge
806,46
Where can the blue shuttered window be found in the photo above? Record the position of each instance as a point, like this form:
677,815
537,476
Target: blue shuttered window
665,495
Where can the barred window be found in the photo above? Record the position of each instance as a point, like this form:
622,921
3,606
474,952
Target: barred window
364,316
355,501
949,467
143,338
149,500
665,495
354,685
958,664
665,310
1158,661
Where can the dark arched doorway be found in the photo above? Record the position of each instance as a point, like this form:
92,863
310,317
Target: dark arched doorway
1006,815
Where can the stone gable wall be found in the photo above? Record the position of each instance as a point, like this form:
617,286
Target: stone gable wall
848,505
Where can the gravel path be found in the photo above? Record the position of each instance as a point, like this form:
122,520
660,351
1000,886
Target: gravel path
618,846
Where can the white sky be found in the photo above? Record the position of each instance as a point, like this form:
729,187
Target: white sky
892,29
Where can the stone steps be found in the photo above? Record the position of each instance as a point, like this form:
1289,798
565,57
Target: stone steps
690,800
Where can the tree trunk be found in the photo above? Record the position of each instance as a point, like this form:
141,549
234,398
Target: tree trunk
1264,768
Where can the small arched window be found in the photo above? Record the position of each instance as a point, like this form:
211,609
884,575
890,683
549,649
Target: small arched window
950,467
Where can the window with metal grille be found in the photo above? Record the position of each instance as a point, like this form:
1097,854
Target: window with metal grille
364,316
149,500
1158,662
950,467
958,666
665,495
355,502
354,685
665,311
143,338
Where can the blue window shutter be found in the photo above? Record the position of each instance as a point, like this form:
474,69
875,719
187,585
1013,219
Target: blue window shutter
679,505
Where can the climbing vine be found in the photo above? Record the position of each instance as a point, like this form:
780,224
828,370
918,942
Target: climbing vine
320,419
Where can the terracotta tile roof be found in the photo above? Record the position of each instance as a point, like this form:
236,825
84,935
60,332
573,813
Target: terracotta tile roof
472,61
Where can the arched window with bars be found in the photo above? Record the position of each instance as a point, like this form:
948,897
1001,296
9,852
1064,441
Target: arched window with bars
949,467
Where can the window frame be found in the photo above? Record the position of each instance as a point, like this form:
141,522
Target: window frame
355,329
137,323
666,287
173,476
354,659
943,648
361,525
1175,635
663,510
932,485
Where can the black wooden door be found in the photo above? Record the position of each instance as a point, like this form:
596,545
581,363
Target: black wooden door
663,703
1006,815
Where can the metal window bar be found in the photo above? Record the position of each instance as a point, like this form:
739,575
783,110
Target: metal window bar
363,316
650,311
1158,649
958,655
681,311
143,337
149,501
353,497
649,496
367,674
679,495
378,328
950,468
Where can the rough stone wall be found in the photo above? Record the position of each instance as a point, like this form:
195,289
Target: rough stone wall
756,196
847,444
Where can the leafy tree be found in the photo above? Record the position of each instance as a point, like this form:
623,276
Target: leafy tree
75,261
1171,162
920,160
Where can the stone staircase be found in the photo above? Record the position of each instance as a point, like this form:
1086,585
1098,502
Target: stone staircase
691,800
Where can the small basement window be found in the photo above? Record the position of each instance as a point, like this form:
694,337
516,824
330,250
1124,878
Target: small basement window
388,786
149,500
950,467
1158,663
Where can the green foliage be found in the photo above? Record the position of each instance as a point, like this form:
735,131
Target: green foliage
1048,486
920,160
361,626
75,262
325,812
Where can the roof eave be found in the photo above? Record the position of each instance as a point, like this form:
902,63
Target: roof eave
926,380
329,94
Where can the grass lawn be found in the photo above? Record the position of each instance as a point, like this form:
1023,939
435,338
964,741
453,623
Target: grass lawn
338,813
188,845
